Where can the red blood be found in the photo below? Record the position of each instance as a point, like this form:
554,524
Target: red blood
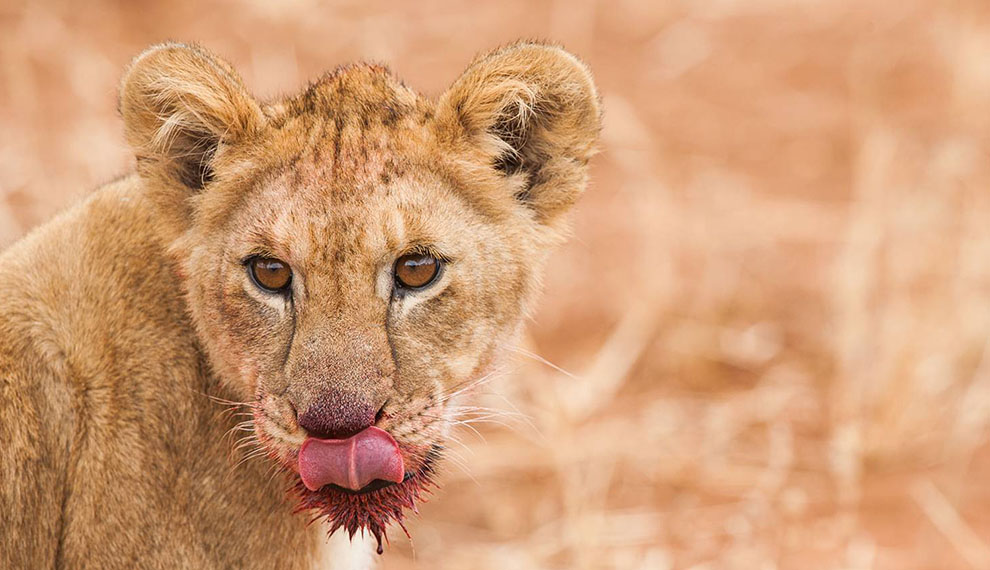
371,511
351,463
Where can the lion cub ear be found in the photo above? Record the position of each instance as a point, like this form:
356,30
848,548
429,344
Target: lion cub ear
180,105
533,112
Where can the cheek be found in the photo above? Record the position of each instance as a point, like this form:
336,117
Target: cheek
452,337
247,337
254,328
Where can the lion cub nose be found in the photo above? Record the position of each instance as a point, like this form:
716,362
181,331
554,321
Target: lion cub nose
338,416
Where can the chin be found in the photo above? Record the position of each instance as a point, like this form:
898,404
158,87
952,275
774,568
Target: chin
373,508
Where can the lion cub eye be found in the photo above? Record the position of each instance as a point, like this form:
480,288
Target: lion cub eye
270,274
416,270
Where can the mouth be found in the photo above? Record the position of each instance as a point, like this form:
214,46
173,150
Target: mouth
374,506
362,484
370,487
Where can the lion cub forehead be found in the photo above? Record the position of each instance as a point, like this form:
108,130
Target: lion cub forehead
320,220
369,93
363,177
351,133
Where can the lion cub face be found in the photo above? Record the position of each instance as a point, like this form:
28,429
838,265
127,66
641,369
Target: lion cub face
354,256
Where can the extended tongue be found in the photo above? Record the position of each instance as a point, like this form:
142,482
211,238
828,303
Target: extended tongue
351,463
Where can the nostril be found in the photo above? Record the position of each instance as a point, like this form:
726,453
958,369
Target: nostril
381,414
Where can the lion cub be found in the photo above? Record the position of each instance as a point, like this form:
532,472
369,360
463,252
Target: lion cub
318,275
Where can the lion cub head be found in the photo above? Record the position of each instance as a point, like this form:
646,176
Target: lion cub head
355,255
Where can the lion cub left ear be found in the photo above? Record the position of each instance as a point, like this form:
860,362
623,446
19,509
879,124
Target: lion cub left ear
180,105
532,111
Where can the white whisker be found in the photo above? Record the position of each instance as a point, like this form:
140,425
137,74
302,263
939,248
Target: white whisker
541,360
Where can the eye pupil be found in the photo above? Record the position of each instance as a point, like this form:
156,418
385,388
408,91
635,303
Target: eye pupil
416,270
269,273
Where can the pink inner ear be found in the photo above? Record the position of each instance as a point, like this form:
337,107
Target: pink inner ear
351,463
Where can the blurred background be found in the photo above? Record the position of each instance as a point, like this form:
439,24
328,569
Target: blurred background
769,336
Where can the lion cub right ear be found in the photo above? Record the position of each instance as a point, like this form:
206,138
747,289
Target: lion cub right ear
180,106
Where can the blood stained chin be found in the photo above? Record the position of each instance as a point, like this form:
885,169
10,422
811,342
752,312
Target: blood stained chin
370,511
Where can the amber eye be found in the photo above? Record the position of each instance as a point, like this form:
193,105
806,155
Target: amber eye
416,270
269,274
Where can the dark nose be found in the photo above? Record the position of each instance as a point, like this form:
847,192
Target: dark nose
338,416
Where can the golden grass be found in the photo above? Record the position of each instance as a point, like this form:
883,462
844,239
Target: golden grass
775,309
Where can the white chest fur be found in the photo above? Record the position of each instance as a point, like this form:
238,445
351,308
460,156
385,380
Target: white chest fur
341,553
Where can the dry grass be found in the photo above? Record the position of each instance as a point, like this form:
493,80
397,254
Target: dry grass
775,309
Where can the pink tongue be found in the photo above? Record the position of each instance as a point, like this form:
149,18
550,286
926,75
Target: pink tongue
350,463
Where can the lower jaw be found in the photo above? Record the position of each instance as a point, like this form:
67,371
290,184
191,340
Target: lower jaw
372,508
375,485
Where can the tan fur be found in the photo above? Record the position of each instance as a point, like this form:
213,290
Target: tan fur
127,319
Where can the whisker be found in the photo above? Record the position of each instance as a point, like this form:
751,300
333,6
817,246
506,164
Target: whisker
465,410
541,360
228,402
452,438
461,463
523,416
463,387
247,457
476,432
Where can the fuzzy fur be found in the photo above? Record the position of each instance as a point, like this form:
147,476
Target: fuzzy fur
134,349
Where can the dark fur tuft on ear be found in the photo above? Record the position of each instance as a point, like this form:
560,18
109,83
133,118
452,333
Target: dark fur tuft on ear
533,110
179,105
